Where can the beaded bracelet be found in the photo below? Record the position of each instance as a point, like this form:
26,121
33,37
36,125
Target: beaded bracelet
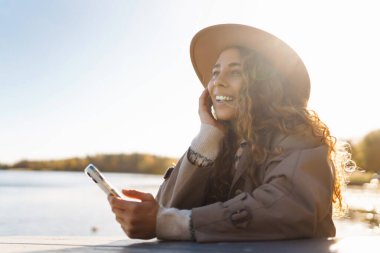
198,159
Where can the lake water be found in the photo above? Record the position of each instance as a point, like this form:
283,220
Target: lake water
62,203
70,204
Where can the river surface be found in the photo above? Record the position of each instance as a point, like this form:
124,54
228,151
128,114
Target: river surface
47,203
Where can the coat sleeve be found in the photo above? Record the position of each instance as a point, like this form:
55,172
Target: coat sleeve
184,186
293,201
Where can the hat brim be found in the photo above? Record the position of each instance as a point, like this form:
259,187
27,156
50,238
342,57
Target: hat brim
208,43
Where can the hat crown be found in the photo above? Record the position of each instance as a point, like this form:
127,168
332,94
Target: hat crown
209,42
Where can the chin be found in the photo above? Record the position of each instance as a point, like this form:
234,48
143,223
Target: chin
225,117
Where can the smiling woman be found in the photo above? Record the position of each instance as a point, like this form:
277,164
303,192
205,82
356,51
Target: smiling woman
226,83
262,167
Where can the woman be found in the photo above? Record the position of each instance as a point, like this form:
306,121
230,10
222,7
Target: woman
262,167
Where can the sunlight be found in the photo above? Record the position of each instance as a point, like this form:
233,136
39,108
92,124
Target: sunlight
354,244
338,45
127,72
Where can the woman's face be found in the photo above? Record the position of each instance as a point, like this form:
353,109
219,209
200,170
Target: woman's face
225,84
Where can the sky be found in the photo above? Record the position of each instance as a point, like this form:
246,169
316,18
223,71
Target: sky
92,77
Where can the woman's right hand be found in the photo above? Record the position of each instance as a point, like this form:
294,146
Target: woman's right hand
205,113
137,219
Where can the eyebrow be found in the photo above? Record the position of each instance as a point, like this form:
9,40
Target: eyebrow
232,64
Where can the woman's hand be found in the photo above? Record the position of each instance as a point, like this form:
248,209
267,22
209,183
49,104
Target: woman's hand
205,113
137,219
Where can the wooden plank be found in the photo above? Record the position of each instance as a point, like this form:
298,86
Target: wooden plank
20,244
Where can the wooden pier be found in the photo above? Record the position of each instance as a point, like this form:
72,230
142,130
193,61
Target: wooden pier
20,244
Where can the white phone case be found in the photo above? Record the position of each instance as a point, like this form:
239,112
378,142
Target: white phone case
101,181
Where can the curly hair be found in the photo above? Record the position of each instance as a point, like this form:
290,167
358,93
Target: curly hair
265,109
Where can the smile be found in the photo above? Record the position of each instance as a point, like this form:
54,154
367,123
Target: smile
223,98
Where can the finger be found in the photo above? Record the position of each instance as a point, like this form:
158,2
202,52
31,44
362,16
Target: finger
204,99
120,220
205,104
122,203
133,232
138,195
111,199
124,229
127,230
118,212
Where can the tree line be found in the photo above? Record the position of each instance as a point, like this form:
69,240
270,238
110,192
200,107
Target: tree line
132,163
366,154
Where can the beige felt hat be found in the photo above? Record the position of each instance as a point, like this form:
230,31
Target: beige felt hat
208,43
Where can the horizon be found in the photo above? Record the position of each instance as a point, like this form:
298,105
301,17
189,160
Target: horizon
80,78
85,156
113,154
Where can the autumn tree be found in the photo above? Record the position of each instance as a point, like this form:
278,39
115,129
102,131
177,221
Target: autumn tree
367,152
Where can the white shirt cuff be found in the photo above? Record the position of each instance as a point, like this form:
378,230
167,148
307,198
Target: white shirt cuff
173,224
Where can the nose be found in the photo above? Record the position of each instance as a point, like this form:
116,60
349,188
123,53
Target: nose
220,81
216,84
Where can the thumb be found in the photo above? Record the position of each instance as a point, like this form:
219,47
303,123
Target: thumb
138,195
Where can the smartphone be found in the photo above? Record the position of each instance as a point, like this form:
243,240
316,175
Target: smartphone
101,181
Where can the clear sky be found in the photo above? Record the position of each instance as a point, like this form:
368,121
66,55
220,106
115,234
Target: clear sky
86,77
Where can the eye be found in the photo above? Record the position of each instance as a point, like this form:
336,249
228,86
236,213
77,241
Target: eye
215,73
236,72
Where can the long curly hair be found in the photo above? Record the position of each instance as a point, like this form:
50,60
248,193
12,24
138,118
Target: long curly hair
265,109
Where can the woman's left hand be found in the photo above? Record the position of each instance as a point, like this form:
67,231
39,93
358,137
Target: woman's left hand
137,219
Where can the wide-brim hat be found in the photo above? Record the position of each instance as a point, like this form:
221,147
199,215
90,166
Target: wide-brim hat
208,43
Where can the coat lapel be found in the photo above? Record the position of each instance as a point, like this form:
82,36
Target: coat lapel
245,161
241,168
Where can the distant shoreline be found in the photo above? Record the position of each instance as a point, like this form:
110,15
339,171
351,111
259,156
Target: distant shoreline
130,163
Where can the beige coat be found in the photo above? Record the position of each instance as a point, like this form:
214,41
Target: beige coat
291,198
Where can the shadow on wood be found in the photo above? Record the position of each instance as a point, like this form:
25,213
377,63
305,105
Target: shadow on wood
120,245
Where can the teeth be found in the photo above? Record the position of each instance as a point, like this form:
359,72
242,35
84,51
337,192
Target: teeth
223,98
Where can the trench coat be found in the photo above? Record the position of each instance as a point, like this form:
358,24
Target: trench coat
291,196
